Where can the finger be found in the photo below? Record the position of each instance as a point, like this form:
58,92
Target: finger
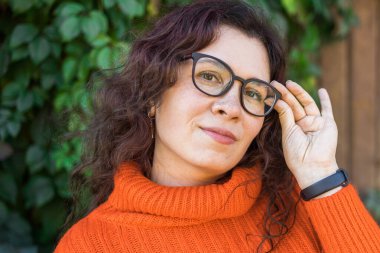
298,111
304,98
326,106
285,114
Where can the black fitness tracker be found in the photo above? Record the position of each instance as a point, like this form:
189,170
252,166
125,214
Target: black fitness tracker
340,178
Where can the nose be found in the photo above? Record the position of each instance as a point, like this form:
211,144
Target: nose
228,105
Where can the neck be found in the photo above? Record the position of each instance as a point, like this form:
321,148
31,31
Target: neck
176,172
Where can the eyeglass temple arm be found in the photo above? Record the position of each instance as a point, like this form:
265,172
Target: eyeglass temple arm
185,57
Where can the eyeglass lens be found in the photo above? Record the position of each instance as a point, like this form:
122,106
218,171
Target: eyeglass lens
212,77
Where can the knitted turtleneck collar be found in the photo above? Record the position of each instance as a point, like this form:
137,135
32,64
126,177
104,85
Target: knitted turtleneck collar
138,200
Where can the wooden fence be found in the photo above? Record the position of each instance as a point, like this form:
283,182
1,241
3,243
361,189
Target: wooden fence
351,74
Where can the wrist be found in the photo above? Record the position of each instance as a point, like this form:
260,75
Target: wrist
327,186
312,175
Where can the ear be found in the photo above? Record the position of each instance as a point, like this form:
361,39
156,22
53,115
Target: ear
152,111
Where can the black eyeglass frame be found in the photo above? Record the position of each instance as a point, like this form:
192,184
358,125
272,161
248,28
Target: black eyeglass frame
196,56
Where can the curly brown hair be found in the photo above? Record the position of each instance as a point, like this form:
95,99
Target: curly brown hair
120,129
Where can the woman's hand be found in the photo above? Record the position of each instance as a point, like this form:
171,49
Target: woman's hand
309,136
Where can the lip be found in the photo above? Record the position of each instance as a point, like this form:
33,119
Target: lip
220,135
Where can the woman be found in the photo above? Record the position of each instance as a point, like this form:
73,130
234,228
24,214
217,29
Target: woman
195,148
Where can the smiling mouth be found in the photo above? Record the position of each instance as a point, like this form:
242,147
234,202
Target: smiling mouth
220,136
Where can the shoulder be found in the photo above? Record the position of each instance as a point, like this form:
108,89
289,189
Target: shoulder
74,240
83,236
94,233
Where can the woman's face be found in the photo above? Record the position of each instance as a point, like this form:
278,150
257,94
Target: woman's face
207,134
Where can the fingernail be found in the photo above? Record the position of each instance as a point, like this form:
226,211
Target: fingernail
274,82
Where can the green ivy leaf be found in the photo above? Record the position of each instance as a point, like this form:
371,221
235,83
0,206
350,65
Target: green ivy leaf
100,41
10,93
18,227
131,8
48,81
38,191
321,8
20,6
104,59
69,9
84,68
56,50
8,189
119,22
39,49
281,24
121,52
52,33
60,102
62,185
69,69
101,19
23,33
310,41
24,79
108,3
24,102
93,55
35,158
4,116
94,24
90,28
70,28
13,128
19,53
290,6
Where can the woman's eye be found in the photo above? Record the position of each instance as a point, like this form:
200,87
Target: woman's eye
209,77
253,94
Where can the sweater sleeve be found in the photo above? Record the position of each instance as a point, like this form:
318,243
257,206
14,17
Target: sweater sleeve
70,243
78,239
342,222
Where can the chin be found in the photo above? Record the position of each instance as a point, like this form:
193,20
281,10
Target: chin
215,163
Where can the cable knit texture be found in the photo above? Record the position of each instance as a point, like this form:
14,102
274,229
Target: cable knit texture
142,216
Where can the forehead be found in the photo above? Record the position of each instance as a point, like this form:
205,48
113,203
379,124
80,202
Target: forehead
246,56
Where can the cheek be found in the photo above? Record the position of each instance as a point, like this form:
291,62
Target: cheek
179,108
253,128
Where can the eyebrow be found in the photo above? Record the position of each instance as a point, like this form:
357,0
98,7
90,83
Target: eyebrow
209,60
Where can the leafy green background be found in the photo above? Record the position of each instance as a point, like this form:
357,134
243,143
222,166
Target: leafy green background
48,51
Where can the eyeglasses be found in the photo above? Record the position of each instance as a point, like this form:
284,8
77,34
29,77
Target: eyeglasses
215,78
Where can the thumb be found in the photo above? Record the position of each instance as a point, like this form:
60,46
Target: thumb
326,107
285,114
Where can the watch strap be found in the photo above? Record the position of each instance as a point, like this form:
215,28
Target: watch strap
339,178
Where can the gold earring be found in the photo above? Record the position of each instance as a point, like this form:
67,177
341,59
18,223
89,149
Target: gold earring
151,115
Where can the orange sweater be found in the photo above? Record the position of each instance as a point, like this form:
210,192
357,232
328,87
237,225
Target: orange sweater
141,216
